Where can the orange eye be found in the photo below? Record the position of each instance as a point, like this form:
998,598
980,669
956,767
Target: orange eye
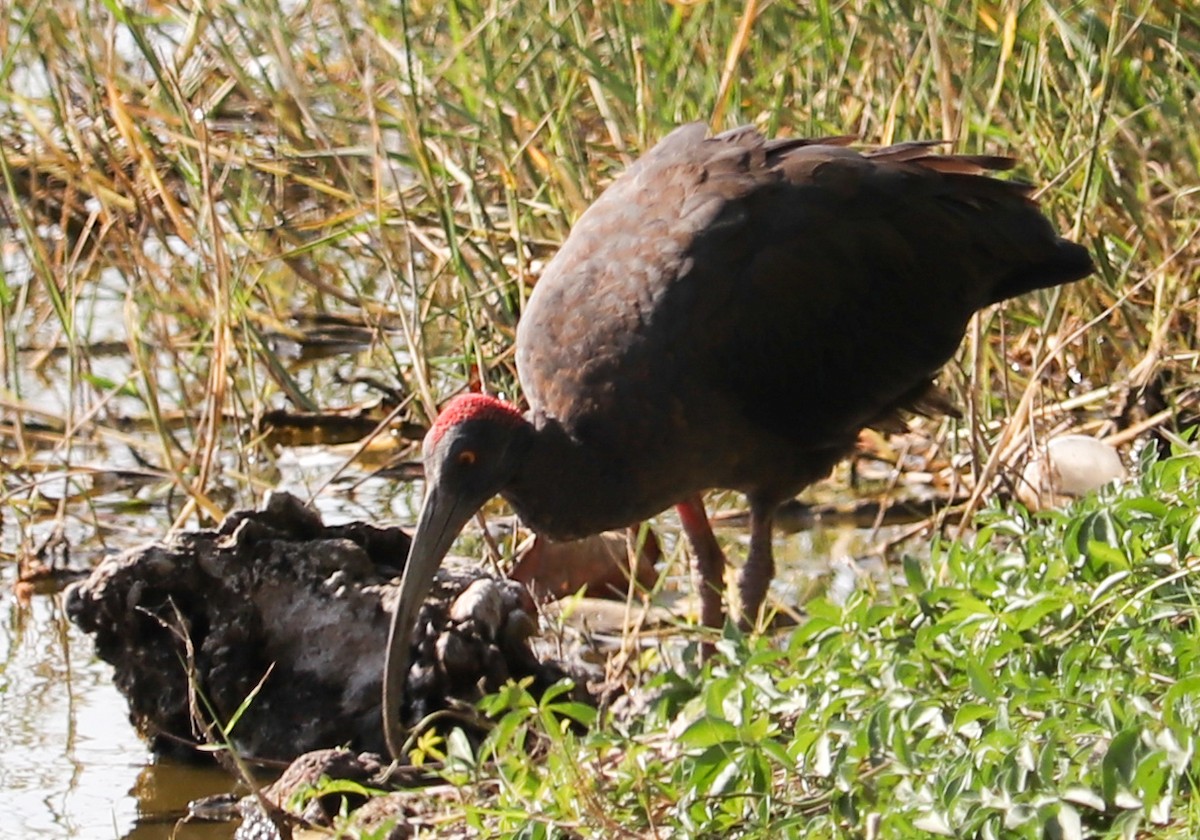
467,457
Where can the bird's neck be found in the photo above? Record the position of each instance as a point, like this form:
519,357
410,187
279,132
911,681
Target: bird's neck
564,489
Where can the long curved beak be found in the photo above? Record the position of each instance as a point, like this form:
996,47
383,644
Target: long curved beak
443,515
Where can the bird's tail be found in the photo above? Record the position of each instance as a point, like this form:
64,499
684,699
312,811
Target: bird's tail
1066,262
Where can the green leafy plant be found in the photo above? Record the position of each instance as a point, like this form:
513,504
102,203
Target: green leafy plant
1012,689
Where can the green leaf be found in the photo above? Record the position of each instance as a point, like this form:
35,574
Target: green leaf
1087,797
1102,556
1067,824
983,681
1030,614
777,753
1120,760
914,575
1108,583
708,731
971,712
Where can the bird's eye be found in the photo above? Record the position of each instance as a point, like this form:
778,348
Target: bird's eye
467,457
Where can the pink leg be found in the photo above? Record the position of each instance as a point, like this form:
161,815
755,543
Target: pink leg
759,570
708,565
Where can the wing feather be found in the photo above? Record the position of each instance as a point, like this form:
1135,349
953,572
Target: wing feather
797,283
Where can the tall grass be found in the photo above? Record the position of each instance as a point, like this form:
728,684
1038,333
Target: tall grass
217,169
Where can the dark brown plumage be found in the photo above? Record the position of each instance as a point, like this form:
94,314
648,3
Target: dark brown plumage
729,313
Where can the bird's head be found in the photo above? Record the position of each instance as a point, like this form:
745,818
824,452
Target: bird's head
471,453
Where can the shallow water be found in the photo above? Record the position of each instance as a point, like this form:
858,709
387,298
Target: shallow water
71,764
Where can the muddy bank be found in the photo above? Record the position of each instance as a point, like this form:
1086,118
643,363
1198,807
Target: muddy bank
284,618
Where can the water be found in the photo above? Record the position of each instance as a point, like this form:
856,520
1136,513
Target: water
71,764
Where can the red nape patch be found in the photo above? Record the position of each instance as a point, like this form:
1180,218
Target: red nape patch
473,407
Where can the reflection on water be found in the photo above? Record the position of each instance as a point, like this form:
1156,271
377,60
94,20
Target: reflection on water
70,763
163,791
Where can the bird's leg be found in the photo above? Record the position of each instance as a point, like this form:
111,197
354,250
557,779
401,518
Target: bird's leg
759,570
708,564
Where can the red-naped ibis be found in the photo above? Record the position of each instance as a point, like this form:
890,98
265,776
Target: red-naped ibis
730,313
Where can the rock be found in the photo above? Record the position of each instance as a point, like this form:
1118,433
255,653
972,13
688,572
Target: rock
288,804
457,657
481,602
1070,466
415,807
518,627
334,764
279,608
